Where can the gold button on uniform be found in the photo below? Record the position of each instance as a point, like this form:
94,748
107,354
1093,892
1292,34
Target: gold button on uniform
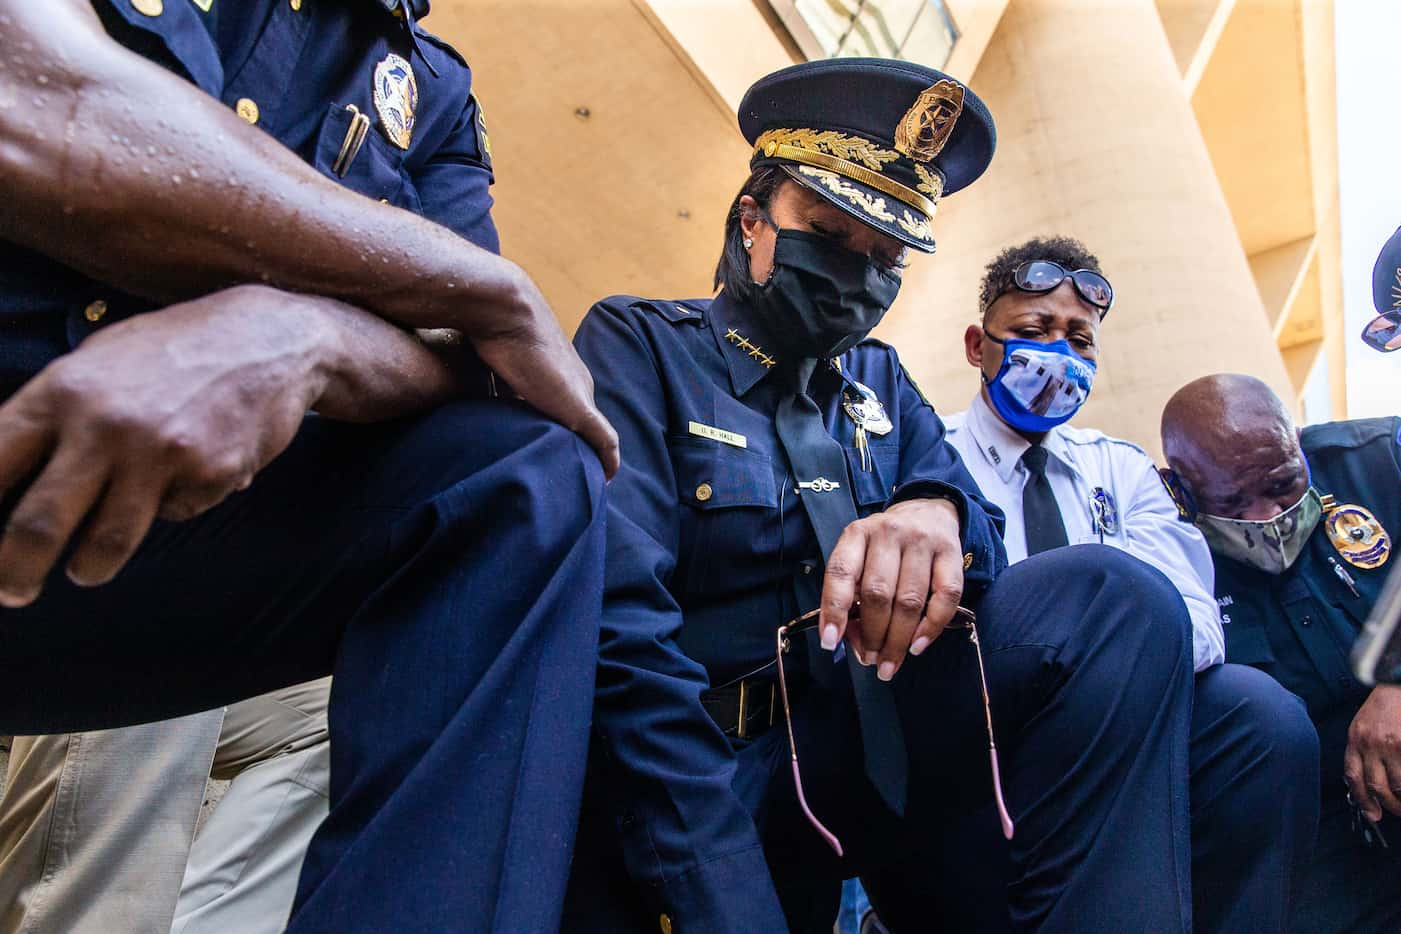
968,561
664,922
703,493
149,7
296,5
95,311
247,109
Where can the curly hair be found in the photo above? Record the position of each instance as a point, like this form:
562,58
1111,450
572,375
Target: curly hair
1067,251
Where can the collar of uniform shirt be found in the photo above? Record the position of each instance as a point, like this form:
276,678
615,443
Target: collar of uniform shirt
991,433
744,357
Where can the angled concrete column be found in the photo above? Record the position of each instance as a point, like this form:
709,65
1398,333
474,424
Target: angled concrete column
1097,140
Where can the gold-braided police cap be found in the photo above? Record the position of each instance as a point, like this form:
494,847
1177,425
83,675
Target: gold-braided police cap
881,139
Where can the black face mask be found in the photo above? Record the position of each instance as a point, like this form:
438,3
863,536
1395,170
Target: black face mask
821,299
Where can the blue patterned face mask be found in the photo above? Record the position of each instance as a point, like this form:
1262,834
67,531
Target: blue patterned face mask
1039,386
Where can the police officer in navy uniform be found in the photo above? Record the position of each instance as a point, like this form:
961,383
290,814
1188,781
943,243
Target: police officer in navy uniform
778,463
177,289
1301,527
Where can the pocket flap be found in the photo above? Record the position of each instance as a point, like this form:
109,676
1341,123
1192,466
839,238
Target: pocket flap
711,475
372,171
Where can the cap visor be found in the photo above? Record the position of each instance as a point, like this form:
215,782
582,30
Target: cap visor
870,206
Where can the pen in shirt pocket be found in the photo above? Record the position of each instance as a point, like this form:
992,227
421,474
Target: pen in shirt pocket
354,139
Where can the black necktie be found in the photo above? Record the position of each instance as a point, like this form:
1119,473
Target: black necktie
825,491
1045,529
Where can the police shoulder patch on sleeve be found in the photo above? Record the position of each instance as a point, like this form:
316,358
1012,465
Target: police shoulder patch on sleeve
479,127
911,380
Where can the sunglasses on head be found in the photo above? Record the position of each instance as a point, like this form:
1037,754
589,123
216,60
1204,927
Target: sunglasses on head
1042,275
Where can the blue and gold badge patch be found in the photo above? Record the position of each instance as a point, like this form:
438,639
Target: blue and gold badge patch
396,99
1104,513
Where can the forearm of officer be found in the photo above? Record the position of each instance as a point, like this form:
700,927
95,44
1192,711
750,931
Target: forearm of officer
1156,535
931,467
123,171
131,175
376,371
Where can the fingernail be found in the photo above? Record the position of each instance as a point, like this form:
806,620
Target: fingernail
10,599
886,671
920,645
830,636
870,659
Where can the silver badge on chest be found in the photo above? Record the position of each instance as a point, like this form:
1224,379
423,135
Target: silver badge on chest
867,412
396,99
869,417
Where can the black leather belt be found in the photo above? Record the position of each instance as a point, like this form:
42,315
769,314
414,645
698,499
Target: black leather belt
745,709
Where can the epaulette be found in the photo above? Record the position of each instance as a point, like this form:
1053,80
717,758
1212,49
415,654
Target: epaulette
1353,433
1090,436
443,44
873,342
675,312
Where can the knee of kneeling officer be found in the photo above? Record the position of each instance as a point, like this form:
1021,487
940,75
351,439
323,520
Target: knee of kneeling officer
536,468
1266,740
1099,593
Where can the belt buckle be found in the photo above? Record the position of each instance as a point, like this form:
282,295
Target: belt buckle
742,727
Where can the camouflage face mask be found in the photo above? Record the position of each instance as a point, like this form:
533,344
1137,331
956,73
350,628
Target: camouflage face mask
1271,545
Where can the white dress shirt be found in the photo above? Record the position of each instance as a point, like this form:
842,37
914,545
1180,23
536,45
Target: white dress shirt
1086,467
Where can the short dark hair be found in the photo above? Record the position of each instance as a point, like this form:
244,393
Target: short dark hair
732,272
1067,251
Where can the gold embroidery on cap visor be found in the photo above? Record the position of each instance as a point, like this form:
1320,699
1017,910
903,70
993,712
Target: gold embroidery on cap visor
925,129
915,226
850,148
835,152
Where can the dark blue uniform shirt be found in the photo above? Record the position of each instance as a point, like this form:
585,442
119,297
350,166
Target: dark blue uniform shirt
302,68
1299,626
709,551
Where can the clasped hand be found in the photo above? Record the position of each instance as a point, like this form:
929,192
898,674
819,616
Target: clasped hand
1372,763
163,415
905,566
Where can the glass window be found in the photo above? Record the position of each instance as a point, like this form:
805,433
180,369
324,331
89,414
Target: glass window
917,30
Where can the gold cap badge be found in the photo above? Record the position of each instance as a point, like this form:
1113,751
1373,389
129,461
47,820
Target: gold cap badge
925,129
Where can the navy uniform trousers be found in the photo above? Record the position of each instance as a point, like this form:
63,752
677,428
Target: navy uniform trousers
1089,664
1253,780
448,569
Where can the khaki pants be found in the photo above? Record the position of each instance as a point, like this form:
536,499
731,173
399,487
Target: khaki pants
96,828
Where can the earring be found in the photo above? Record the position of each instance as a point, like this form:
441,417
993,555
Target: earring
748,243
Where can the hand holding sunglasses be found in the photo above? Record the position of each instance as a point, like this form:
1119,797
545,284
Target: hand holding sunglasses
963,619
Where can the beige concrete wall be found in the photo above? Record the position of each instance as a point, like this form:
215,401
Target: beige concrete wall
630,198
1103,147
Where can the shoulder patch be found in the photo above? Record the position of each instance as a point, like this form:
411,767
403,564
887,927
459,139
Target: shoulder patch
479,128
911,380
